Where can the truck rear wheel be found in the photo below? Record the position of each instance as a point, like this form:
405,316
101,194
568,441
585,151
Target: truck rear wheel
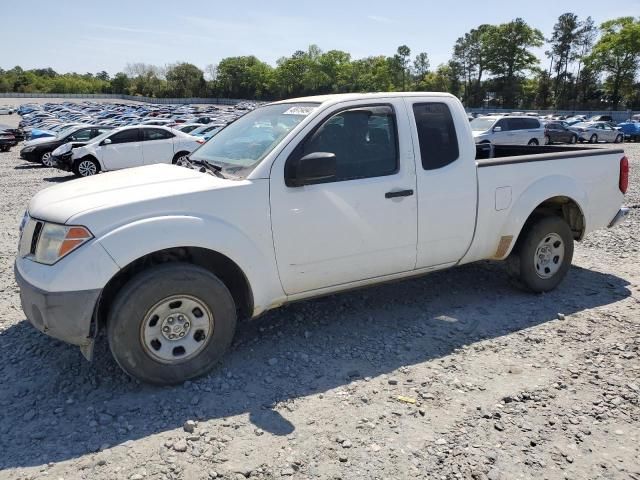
543,254
171,323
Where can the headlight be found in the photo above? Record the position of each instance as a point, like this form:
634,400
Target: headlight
56,241
64,148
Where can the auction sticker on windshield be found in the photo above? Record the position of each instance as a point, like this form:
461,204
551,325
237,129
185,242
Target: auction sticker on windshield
299,110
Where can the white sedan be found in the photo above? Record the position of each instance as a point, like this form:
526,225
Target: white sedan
594,132
126,147
6,110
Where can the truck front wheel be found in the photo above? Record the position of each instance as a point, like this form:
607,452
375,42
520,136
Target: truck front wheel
543,254
171,323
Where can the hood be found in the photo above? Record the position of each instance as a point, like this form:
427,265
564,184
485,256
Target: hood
123,188
477,133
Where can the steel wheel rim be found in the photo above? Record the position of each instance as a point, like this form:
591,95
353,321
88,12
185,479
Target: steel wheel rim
46,159
87,168
573,139
182,160
549,256
593,139
176,329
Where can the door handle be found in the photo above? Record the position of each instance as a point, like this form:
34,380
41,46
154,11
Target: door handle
398,193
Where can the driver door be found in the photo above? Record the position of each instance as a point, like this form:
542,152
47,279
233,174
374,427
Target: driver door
360,224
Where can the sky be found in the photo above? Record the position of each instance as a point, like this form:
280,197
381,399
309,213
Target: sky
87,36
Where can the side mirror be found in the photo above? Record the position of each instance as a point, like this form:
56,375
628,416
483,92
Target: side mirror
106,141
316,167
497,129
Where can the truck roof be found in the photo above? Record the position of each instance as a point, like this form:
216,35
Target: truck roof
344,97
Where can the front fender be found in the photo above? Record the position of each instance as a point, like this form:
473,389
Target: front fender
134,240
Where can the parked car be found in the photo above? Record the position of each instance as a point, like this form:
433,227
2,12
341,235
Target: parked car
601,118
7,140
559,132
6,110
188,127
16,132
341,191
39,151
207,131
594,132
127,147
631,130
508,130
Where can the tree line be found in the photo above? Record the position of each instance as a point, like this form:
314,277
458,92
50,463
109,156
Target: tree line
589,67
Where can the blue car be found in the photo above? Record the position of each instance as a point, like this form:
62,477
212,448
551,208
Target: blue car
631,130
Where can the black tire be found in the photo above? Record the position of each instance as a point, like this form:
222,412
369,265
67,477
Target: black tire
573,140
619,139
5,148
547,140
178,156
533,142
521,263
82,167
593,138
136,299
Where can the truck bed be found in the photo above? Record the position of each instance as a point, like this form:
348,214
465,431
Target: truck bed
487,154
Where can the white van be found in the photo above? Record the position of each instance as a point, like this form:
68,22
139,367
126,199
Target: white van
508,130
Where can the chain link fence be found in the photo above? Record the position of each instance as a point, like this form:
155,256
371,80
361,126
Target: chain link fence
135,98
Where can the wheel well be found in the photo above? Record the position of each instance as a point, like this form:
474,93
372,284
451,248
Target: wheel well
223,267
563,207
180,153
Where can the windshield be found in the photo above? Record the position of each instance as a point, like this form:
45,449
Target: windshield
245,142
482,124
62,131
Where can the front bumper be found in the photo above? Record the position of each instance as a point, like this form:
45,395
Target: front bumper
64,161
66,316
30,156
620,216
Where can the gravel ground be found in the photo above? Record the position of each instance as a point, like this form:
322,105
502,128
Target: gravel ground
453,375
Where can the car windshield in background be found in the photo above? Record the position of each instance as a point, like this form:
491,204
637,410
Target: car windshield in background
482,124
244,143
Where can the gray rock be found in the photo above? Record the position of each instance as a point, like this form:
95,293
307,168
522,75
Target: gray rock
189,426
180,446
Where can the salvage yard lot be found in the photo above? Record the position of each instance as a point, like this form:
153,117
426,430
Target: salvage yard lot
453,375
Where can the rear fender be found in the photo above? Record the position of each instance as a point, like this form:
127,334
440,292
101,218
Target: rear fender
541,190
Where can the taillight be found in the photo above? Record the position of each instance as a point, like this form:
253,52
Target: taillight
624,175
200,141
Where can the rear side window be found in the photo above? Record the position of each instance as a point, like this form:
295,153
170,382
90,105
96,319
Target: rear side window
155,134
436,135
533,123
125,136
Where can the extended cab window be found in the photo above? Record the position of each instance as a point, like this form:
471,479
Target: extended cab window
436,135
125,136
363,140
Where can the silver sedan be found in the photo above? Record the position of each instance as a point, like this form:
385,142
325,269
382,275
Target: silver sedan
594,132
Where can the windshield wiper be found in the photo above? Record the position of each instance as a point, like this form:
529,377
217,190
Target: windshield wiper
211,167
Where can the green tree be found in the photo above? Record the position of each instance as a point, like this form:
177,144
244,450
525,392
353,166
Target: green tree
185,80
509,56
617,54
470,52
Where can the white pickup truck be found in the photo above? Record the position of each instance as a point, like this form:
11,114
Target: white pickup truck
294,200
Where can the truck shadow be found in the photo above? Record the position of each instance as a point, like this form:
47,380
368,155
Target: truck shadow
54,406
